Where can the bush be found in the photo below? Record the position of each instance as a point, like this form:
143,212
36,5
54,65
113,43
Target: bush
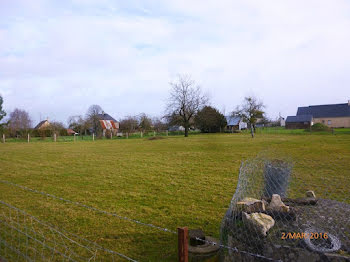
319,127
43,133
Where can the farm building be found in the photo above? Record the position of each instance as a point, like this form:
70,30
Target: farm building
42,125
108,123
235,123
299,122
334,115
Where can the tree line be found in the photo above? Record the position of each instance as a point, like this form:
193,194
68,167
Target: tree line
187,107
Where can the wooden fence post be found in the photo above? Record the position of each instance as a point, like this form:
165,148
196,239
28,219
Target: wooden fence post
28,138
182,233
141,134
3,138
154,133
111,134
54,137
167,133
74,137
93,136
127,135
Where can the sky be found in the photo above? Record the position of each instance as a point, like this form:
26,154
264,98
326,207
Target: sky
59,57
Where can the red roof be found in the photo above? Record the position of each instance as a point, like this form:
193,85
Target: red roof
70,131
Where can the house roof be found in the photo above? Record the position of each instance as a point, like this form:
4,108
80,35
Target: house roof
335,110
105,116
232,120
299,118
71,131
109,124
40,124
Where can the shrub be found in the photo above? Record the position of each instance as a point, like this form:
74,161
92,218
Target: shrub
319,127
108,134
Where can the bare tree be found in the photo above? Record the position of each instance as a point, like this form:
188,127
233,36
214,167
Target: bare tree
250,111
185,100
159,124
57,128
129,124
78,124
92,116
2,113
145,122
19,121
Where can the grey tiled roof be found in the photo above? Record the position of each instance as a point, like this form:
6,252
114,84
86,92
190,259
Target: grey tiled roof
299,118
336,110
105,116
232,120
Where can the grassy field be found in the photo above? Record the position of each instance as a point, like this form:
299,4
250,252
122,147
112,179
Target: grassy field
170,182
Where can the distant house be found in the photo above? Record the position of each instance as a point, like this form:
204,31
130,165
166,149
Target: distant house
42,125
282,121
71,132
260,122
108,123
235,123
334,115
176,128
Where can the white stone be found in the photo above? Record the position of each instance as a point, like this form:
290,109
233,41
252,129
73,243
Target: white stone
310,193
276,204
259,222
250,205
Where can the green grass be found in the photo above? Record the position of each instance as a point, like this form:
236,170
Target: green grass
170,182
283,130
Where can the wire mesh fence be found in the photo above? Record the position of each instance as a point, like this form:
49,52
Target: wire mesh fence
24,237
263,220
27,138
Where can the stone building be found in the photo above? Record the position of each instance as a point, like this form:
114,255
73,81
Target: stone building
334,116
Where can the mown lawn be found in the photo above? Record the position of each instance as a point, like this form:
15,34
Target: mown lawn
171,182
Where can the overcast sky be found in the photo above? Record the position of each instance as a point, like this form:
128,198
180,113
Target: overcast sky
59,57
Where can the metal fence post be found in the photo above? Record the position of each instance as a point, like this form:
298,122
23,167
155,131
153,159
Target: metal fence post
182,233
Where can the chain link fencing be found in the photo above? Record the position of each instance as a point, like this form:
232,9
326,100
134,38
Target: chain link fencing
263,219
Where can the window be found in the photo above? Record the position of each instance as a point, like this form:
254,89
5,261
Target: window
329,122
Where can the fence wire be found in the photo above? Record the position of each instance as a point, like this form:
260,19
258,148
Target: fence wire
90,207
221,245
24,237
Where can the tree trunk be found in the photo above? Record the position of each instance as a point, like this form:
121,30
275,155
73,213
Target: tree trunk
186,130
